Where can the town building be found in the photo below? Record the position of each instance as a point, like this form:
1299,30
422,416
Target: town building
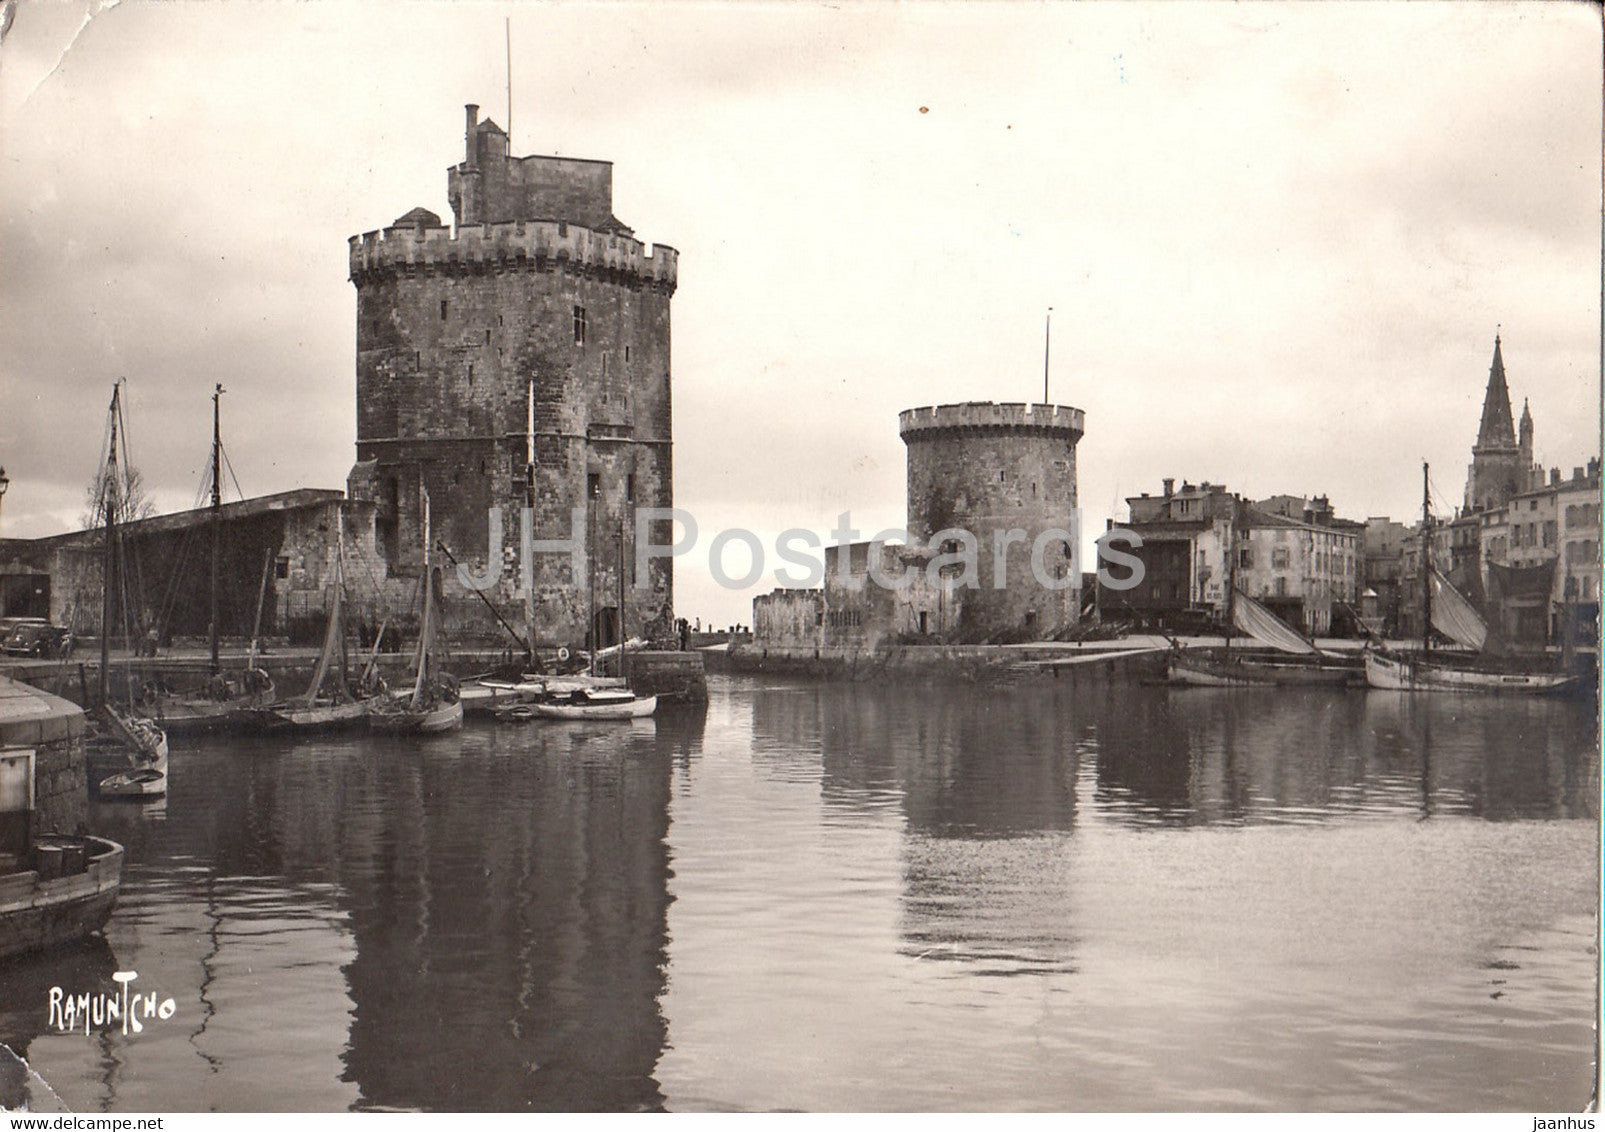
1290,553
278,555
519,357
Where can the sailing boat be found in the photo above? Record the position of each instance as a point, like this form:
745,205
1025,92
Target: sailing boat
226,695
122,735
313,710
1445,609
1221,668
433,704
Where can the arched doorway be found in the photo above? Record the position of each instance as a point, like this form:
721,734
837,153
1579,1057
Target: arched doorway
605,628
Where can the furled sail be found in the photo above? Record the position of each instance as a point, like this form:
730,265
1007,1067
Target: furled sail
1267,628
1453,615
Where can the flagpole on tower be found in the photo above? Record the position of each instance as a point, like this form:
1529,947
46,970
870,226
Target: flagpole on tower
1047,347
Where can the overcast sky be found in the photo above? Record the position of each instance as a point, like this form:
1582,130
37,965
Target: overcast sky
1277,239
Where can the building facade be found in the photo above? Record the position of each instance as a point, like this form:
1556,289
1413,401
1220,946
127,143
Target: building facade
278,556
519,356
1290,553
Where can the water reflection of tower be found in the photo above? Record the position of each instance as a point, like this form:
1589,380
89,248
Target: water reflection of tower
511,920
986,779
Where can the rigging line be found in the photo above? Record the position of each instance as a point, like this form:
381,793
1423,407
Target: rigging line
227,464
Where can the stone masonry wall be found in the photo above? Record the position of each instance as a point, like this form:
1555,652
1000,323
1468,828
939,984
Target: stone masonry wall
985,468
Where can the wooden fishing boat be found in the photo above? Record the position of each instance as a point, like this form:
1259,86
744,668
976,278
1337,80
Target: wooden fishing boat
60,892
54,889
140,746
1220,668
489,696
1291,660
226,698
138,784
404,713
597,704
315,710
1445,609
433,703
1416,674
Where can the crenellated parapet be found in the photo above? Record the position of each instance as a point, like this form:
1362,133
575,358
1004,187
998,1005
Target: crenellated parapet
518,245
991,416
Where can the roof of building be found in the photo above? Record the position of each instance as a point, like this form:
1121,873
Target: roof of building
183,520
1497,429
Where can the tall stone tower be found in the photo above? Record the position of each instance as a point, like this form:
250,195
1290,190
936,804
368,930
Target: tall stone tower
536,321
988,468
1501,464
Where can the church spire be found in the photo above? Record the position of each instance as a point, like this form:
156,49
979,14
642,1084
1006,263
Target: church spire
1498,429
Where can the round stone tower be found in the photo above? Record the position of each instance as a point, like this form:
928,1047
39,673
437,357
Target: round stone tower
1005,473
537,322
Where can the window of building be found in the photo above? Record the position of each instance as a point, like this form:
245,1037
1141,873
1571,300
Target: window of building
16,801
581,325
281,566
1245,558
1281,587
443,308
1279,558
626,353
1549,532
593,486
629,488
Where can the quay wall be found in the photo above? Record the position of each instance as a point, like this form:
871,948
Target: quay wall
54,729
678,677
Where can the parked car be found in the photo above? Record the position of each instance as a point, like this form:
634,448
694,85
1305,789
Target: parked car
36,638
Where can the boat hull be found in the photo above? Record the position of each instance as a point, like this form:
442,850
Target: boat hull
191,713
1215,672
1401,675
317,717
38,911
447,717
135,785
630,709
488,699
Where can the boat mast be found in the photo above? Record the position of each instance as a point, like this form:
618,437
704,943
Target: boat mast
621,598
338,616
429,586
217,509
529,511
590,577
1426,561
108,501
1231,571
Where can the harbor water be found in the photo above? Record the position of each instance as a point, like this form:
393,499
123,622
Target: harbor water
831,896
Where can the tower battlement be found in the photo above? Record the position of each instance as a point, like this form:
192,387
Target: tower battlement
408,249
992,416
